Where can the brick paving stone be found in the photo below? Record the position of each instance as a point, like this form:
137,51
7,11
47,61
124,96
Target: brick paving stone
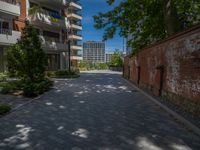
98,111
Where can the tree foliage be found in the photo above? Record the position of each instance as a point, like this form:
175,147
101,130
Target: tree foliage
147,20
116,59
26,58
88,65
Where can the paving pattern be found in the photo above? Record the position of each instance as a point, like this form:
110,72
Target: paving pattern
98,111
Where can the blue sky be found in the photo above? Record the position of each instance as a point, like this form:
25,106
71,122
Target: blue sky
91,8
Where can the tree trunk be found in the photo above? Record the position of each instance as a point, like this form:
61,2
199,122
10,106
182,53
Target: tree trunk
172,23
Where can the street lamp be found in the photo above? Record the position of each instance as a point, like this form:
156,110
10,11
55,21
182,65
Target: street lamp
69,53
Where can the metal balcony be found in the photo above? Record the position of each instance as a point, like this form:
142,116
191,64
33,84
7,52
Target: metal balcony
53,3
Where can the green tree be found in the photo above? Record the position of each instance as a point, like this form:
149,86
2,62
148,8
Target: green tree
116,59
26,58
147,20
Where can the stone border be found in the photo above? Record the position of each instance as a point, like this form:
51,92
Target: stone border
191,126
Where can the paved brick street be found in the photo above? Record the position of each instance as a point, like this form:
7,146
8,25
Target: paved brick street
98,111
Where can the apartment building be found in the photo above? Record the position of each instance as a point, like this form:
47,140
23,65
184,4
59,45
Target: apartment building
94,51
56,21
9,11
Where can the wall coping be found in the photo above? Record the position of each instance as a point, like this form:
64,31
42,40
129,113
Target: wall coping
193,28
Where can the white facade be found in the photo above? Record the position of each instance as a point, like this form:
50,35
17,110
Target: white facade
94,51
9,9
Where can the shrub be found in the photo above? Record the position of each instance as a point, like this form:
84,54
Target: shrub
5,90
61,73
7,87
26,58
4,109
34,89
50,74
3,77
67,74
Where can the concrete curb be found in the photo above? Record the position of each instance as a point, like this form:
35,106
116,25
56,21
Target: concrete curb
191,126
17,108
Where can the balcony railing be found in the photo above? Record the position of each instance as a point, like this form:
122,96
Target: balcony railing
48,17
76,47
10,7
5,31
14,2
51,39
8,36
51,44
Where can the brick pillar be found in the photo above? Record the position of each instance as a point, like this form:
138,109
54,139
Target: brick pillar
19,22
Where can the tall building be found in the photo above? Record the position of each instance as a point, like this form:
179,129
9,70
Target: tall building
94,51
55,21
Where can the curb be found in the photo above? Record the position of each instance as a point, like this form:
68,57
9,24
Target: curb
18,107
191,126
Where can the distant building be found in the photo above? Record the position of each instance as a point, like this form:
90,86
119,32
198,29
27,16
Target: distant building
94,51
108,56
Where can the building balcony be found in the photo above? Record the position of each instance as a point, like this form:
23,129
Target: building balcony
10,7
76,27
76,47
75,5
9,37
53,3
75,37
74,16
54,46
44,18
76,58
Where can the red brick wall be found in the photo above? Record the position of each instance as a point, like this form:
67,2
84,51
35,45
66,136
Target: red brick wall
19,22
179,58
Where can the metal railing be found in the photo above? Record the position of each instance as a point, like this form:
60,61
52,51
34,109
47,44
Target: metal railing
5,31
14,2
51,39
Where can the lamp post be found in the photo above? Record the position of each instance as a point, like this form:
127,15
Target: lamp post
69,53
